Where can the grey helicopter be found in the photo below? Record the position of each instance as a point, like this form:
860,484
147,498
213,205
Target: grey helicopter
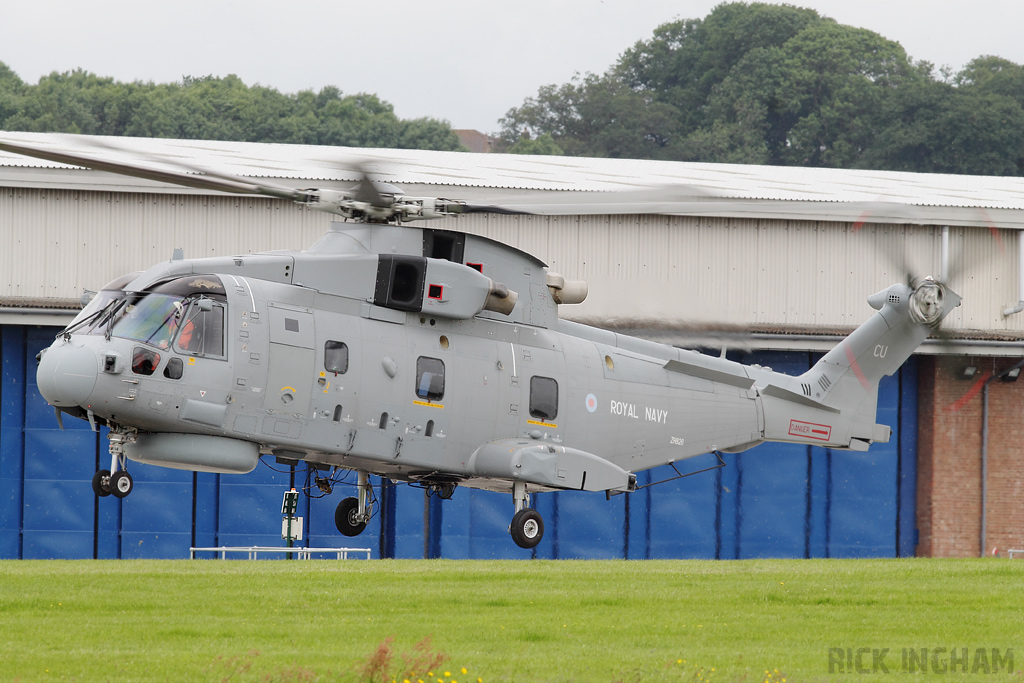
431,357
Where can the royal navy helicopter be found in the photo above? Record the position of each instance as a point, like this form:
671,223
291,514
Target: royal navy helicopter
431,357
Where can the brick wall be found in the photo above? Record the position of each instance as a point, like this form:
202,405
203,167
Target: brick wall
949,486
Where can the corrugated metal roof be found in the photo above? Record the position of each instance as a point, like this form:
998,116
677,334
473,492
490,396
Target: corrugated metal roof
310,163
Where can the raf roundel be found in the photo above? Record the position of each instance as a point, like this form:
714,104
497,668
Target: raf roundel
591,402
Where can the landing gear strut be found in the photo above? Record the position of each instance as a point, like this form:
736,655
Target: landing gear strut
352,514
527,527
116,480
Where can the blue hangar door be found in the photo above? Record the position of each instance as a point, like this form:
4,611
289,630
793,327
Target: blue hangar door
777,500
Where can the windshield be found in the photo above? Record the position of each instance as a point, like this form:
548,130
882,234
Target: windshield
89,317
87,320
152,318
190,308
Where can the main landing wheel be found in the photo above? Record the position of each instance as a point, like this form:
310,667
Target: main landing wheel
101,483
527,528
121,483
346,517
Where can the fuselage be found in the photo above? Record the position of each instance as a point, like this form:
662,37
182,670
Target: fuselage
340,382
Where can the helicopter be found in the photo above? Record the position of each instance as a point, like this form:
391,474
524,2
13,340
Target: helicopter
431,357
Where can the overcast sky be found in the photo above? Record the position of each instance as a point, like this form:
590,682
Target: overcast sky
466,62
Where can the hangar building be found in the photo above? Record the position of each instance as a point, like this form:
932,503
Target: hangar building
774,264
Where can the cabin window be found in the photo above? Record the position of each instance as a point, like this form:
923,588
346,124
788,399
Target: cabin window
336,357
144,361
429,378
543,398
174,368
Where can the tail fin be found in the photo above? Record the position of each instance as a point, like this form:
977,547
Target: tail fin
881,345
833,403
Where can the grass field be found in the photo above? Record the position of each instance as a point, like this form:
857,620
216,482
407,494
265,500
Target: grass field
757,620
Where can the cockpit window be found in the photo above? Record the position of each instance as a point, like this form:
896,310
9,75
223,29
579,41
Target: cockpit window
90,316
148,318
201,330
195,327
186,314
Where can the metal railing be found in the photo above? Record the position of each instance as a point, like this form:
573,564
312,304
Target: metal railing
299,552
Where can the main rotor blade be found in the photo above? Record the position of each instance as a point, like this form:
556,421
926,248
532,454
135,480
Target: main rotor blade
486,208
193,170
209,181
692,200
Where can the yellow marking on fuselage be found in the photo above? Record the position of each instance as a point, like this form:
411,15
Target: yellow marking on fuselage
429,405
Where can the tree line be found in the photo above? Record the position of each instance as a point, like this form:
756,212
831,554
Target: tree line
210,108
777,84
749,83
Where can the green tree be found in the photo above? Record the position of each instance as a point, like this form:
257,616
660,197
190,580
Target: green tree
544,145
686,60
12,90
993,75
935,127
817,99
210,108
775,84
595,116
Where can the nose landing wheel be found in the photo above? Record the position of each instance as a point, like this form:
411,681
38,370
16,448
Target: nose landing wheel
101,483
121,483
116,480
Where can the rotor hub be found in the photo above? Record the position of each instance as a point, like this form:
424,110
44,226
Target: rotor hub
926,303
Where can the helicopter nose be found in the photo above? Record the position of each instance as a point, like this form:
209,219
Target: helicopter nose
67,374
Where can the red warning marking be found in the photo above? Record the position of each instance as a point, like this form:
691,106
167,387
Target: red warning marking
993,230
810,430
971,393
855,366
861,220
